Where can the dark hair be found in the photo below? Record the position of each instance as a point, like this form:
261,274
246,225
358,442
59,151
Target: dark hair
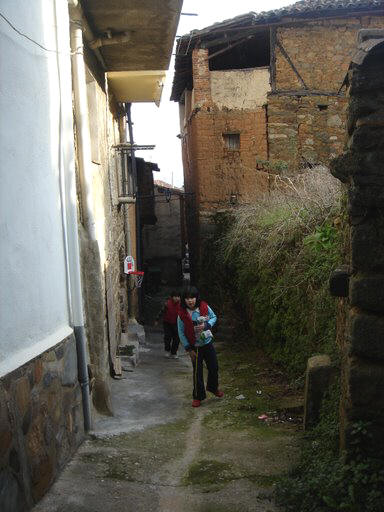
174,293
188,293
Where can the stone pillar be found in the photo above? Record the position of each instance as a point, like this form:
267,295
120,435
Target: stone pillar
201,78
362,168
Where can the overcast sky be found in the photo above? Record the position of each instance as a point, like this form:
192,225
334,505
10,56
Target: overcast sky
160,125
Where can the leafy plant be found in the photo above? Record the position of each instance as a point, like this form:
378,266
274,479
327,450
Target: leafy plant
279,252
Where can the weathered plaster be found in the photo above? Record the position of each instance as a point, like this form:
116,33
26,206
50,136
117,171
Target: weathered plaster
240,89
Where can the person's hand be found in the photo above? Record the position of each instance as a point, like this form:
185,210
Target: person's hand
192,355
199,328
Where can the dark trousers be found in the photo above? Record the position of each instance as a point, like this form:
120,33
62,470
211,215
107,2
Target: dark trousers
206,353
171,337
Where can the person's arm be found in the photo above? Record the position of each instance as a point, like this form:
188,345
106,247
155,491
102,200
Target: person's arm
183,338
211,319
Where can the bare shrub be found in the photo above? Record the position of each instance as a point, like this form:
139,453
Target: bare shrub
292,210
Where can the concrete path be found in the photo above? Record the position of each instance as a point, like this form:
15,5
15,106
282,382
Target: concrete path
158,454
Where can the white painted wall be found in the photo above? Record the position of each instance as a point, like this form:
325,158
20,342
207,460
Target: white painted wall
240,88
33,295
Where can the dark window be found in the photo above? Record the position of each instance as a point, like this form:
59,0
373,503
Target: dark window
252,53
322,107
231,140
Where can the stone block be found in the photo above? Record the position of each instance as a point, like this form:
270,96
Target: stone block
360,106
11,497
5,427
38,370
366,333
317,379
365,138
366,385
59,352
342,166
339,282
22,392
42,476
27,419
70,376
367,196
367,242
367,77
130,353
367,292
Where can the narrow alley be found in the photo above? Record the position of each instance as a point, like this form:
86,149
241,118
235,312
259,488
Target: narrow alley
191,204
158,454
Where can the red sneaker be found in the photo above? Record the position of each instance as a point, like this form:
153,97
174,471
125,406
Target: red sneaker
196,403
219,394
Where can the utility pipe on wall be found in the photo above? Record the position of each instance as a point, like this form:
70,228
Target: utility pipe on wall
82,121
70,231
137,205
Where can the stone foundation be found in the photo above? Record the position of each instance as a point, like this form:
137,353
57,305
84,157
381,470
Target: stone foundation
41,425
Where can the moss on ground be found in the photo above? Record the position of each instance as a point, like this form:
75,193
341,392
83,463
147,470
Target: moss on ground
209,472
216,474
246,372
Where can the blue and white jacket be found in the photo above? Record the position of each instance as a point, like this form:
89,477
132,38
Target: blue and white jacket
195,315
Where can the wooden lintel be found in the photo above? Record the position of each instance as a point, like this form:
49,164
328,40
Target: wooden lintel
227,39
306,92
227,48
272,65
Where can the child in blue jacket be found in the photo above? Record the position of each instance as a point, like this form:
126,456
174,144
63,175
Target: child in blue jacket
194,325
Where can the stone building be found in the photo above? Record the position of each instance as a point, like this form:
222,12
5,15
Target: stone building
361,326
67,218
261,94
164,240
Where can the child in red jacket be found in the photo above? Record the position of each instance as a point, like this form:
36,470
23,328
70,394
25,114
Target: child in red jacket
171,336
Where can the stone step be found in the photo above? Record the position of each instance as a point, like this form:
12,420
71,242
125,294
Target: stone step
129,349
137,329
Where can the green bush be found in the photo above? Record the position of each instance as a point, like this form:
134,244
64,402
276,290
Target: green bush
278,254
324,481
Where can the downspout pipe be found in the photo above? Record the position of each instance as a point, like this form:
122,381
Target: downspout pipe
82,122
137,216
134,172
69,223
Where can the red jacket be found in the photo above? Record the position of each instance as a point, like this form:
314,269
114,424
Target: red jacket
171,311
188,324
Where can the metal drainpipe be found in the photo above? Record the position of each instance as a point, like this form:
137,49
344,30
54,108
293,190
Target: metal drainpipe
128,243
82,126
134,171
71,247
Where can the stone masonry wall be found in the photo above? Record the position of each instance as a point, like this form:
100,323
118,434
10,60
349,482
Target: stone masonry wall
105,289
361,167
41,425
305,130
308,128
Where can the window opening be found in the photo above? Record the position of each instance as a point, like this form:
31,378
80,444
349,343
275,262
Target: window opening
232,141
253,53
